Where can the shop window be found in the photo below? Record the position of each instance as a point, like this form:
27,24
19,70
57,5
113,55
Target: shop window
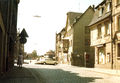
101,54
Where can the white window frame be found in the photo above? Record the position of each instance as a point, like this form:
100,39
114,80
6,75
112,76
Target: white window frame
107,28
101,10
108,7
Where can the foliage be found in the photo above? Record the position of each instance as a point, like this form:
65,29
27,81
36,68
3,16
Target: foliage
34,54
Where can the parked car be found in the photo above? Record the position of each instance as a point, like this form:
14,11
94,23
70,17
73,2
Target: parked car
41,61
49,61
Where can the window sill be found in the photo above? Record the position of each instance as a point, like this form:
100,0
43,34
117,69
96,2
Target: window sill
118,5
106,35
118,58
99,38
118,31
108,11
100,16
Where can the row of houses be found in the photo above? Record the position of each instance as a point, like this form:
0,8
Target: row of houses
8,34
91,38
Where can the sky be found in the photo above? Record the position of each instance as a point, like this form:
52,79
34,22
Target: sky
52,18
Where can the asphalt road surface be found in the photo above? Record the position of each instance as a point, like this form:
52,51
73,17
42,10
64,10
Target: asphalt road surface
68,74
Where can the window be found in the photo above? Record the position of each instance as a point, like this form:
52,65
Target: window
87,31
118,22
108,7
118,50
101,11
101,54
107,28
118,1
108,58
1,41
99,31
87,42
70,42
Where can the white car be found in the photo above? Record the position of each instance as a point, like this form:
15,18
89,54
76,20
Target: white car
49,61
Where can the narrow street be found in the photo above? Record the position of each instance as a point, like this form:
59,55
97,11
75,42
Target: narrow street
69,74
57,74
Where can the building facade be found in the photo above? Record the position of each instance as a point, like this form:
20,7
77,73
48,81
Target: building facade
116,33
8,33
101,29
82,53
73,42
58,49
71,16
62,47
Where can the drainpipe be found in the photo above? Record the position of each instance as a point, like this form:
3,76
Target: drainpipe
111,38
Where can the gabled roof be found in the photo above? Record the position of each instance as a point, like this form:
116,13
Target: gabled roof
72,16
62,31
96,17
100,4
83,14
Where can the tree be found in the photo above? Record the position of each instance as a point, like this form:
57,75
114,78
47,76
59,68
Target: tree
34,54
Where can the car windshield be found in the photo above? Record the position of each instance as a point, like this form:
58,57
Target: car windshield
48,59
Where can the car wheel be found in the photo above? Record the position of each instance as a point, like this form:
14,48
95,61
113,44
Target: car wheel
44,63
55,63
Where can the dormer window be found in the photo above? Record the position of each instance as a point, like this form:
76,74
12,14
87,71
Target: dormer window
108,7
101,11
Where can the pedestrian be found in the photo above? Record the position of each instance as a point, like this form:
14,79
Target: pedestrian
20,60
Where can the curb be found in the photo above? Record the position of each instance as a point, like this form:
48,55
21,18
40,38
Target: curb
98,70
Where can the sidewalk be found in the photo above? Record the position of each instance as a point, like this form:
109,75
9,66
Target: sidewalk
105,71
18,75
99,70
